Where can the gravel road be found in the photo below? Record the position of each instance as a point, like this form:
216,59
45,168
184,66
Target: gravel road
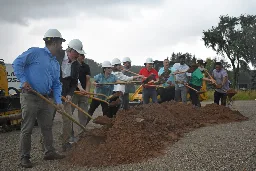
220,147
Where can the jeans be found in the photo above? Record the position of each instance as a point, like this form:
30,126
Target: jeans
181,92
148,93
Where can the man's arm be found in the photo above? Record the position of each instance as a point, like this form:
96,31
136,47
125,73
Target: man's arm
88,83
19,64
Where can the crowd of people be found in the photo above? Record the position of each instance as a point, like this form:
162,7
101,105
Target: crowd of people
57,73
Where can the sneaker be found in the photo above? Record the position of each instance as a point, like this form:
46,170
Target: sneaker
26,163
53,156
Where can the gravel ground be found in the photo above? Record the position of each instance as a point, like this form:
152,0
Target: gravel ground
220,147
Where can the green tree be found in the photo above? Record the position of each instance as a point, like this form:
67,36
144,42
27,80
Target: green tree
234,38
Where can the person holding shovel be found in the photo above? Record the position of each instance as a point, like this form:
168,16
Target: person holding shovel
167,92
195,83
84,85
117,71
99,80
69,75
38,70
222,86
151,76
181,75
129,88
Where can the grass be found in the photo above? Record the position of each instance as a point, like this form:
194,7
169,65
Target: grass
241,95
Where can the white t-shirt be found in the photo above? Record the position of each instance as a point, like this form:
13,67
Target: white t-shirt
120,76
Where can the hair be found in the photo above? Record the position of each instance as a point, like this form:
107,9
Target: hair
182,56
218,63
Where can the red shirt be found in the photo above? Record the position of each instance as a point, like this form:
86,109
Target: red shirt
144,71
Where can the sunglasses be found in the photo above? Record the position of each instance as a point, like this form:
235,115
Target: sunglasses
109,67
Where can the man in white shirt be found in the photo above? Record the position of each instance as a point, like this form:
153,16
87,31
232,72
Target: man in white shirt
70,68
181,76
117,71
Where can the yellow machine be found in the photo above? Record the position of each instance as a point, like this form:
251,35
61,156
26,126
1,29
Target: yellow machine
10,109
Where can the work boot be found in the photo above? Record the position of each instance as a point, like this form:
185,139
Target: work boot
53,156
26,163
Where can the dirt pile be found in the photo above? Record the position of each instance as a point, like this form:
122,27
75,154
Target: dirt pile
144,131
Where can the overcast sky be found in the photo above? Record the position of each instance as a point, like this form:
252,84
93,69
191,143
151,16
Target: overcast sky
116,28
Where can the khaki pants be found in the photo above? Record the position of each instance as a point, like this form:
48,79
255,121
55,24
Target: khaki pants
33,107
66,124
82,102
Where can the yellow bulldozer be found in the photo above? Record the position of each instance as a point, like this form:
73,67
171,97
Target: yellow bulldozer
10,109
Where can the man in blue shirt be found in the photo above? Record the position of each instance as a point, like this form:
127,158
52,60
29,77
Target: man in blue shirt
38,69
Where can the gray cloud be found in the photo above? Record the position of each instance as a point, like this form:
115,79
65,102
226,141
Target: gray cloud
21,11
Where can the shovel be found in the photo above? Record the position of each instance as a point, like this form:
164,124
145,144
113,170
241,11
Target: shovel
198,92
56,107
98,94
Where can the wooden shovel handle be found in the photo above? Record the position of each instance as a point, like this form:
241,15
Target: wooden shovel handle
60,111
80,109
93,98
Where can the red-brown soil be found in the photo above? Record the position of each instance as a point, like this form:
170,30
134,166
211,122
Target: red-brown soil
144,131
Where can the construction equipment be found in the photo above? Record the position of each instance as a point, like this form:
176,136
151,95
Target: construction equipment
10,109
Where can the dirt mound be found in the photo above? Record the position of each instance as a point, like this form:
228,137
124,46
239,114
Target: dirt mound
144,131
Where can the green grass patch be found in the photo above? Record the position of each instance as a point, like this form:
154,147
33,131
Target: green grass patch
241,95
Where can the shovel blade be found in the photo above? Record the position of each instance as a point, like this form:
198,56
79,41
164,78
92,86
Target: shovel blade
103,120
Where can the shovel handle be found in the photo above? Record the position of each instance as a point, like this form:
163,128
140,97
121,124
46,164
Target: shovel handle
78,92
131,72
56,107
80,109
93,98
190,87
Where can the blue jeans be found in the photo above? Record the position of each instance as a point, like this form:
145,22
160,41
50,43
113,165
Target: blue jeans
148,93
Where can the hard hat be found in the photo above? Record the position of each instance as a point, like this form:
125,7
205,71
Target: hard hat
149,61
106,64
77,45
127,59
116,61
53,33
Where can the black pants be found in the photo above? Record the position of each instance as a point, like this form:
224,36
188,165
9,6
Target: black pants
112,110
194,96
94,105
220,96
166,94
126,101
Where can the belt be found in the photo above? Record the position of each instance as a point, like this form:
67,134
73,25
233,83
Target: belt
30,92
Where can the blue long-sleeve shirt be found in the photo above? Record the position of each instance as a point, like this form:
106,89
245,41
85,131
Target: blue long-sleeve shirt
41,70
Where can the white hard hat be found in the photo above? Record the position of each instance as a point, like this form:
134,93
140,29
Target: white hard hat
149,61
77,45
116,61
127,59
53,33
106,64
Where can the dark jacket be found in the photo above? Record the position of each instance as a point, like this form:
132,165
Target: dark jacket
69,84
